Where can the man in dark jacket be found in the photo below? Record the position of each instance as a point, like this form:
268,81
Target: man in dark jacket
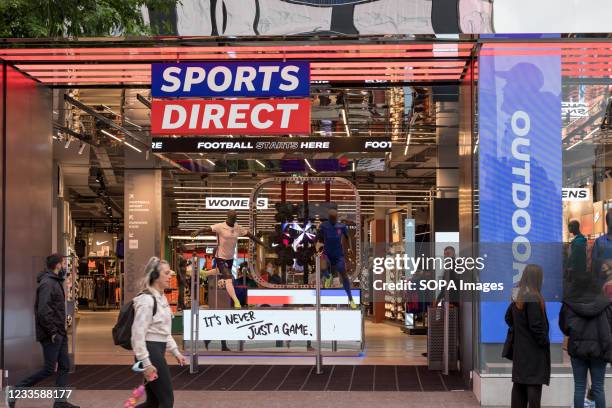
51,327
586,318
576,263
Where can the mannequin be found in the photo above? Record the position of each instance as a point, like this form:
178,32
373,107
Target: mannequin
227,238
602,249
577,259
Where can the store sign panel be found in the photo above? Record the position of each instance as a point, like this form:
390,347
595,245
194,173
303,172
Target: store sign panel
300,296
234,203
520,175
272,145
231,79
340,325
220,117
575,109
575,194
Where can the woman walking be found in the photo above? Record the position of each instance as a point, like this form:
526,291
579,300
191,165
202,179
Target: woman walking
586,318
526,317
151,335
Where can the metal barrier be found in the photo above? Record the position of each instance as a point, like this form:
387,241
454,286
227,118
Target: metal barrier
318,356
195,314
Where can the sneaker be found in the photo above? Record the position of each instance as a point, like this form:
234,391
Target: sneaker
225,349
352,304
237,305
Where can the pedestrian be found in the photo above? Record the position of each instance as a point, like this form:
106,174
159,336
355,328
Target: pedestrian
50,317
152,335
586,318
526,317
274,274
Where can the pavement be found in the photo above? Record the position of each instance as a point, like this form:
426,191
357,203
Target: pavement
279,399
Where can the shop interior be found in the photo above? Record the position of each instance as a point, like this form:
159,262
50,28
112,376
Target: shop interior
101,118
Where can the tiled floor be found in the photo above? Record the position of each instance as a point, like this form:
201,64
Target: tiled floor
380,378
281,399
385,345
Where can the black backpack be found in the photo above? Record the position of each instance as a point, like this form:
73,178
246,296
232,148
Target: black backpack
122,332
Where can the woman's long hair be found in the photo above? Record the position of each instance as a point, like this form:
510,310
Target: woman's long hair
153,264
530,287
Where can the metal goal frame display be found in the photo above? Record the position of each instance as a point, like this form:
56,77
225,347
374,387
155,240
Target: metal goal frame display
301,180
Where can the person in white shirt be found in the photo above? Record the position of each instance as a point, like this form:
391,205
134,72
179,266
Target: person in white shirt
152,334
228,233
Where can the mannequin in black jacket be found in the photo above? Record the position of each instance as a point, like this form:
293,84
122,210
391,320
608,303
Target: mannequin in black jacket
586,317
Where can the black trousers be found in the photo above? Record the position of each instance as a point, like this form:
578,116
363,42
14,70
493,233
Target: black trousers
159,392
524,395
55,354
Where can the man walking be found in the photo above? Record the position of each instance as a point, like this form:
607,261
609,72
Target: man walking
50,319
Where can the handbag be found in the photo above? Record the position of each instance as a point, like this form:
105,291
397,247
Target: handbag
508,350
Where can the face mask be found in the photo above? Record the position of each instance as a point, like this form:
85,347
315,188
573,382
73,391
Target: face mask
270,270
62,273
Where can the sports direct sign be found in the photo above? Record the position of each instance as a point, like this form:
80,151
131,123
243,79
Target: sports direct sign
231,79
243,116
242,79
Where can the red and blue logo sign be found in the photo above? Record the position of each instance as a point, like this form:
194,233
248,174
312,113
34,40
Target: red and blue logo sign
184,111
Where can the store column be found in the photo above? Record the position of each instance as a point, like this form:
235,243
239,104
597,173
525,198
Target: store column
143,217
379,240
447,137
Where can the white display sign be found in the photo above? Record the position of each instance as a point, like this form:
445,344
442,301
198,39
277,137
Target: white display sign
574,109
575,194
340,325
234,203
552,16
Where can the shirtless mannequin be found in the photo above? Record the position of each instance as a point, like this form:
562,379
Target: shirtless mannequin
227,237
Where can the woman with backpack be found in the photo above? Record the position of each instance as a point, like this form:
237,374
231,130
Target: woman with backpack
586,318
151,335
530,344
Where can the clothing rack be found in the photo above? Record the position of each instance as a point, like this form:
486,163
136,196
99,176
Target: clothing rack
100,291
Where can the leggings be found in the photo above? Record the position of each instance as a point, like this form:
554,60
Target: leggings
338,265
159,392
524,395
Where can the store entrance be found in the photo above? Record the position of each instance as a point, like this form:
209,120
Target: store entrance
390,200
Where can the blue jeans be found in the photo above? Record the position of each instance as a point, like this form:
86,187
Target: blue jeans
597,368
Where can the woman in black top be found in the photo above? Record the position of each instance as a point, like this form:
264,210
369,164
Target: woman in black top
586,318
526,315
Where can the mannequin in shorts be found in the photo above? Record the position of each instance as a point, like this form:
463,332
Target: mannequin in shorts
228,233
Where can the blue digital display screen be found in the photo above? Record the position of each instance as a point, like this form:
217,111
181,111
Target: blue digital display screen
520,177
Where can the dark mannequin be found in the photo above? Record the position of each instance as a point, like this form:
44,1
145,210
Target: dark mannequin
602,249
574,227
577,260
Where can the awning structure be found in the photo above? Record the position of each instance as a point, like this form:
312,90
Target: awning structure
355,62
91,63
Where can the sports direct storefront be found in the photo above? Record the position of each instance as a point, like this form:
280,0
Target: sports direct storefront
537,159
